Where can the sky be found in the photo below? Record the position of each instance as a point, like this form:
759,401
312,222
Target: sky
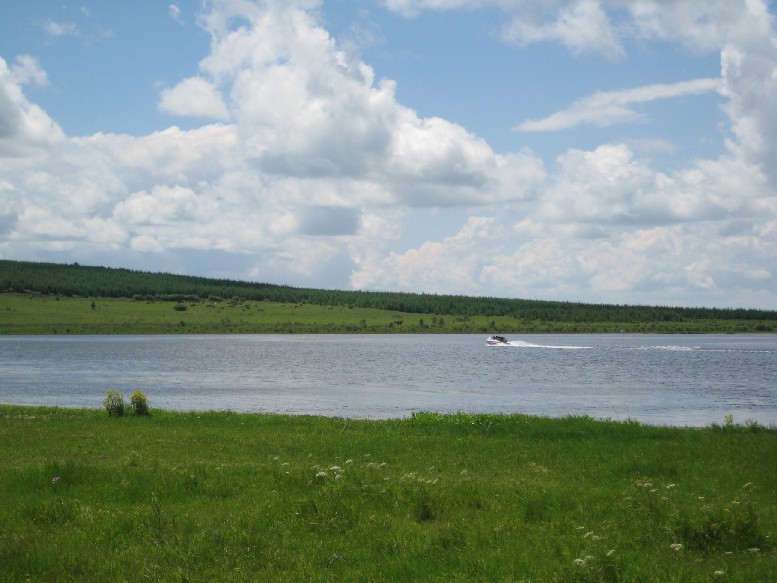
601,151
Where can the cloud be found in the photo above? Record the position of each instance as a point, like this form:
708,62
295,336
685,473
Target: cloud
706,26
609,186
194,97
56,30
583,27
60,29
328,221
750,77
163,205
27,71
612,107
434,267
307,108
602,26
670,265
22,123
308,170
175,14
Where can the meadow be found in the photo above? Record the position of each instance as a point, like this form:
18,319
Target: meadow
219,496
42,314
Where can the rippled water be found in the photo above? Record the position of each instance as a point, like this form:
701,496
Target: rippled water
665,380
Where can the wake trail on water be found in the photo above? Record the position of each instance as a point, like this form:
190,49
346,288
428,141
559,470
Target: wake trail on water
522,344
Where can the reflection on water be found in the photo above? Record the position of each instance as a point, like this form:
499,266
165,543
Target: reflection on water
673,380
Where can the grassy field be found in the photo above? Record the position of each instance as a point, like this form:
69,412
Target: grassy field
36,314
228,497
46,315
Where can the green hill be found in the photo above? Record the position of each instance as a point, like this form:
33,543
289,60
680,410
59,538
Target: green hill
357,310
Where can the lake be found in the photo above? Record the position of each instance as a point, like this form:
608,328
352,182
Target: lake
687,380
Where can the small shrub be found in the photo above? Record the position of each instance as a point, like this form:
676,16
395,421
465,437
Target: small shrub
139,403
114,403
179,308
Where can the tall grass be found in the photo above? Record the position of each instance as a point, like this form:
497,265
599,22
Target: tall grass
227,497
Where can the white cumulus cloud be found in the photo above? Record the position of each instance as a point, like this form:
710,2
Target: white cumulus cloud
22,123
194,97
308,170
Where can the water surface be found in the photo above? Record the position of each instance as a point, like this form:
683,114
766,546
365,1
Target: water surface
657,379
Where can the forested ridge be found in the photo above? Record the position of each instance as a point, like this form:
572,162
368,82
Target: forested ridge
90,281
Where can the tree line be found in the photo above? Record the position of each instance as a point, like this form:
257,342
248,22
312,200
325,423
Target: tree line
91,281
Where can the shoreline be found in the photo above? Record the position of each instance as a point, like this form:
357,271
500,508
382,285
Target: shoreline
728,423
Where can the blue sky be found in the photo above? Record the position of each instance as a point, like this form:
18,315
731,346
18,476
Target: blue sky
588,150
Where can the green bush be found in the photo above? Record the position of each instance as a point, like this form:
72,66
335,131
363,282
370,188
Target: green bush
139,403
114,403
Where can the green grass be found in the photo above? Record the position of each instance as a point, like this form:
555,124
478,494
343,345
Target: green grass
228,497
36,314
43,315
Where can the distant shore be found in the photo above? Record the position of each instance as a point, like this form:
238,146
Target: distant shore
52,298
42,314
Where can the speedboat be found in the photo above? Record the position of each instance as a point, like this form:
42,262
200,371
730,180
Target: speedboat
497,341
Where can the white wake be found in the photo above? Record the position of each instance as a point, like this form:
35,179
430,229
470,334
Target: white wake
522,344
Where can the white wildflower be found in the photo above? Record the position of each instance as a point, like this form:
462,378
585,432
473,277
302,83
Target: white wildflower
676,547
